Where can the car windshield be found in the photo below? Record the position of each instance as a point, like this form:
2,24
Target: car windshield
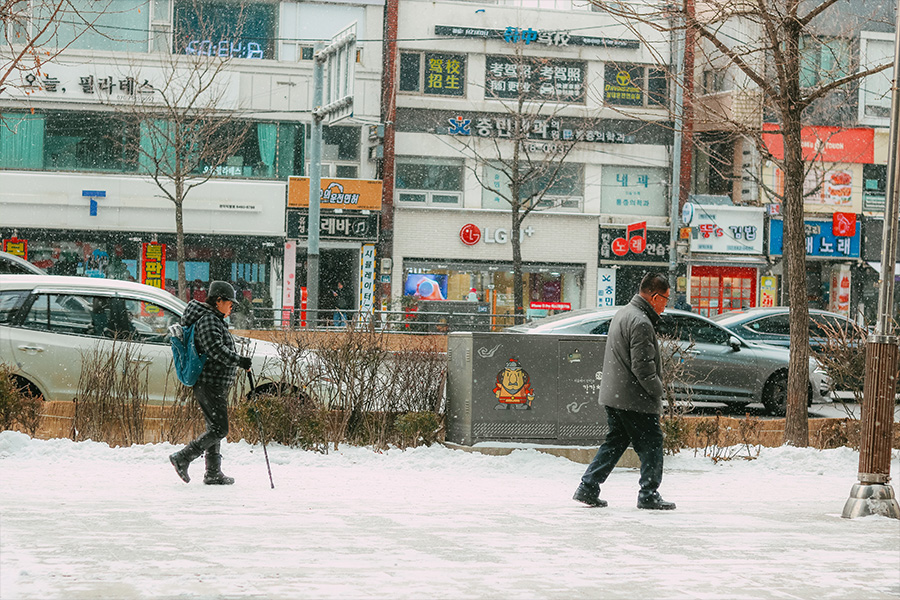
560,319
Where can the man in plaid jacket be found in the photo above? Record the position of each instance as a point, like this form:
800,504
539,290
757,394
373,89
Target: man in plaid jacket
211,390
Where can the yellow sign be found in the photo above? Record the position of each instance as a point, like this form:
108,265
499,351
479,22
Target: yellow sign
768,291
353,194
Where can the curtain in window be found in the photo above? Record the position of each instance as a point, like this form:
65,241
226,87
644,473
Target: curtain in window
267,136
287,138
22,141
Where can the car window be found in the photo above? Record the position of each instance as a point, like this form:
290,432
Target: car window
774,324
823,326
9,301
689,329
602,328
150,322
63,313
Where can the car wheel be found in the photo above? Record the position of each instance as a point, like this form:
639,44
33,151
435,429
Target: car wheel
28,387
775,394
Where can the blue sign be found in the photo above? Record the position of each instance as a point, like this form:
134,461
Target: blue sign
820,240
93,193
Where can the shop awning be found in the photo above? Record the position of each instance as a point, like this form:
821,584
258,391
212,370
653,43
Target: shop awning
877,267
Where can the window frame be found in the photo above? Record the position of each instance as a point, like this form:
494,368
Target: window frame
647,98
430,195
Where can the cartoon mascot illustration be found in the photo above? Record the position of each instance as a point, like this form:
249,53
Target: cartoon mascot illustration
513,387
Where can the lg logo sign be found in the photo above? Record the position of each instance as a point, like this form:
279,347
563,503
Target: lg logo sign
470,234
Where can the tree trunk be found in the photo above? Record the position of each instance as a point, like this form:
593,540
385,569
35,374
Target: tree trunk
796,427
518,284
179,239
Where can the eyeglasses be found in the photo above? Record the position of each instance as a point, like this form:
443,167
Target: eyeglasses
666,296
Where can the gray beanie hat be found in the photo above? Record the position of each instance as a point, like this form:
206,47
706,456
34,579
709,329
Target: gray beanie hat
221,289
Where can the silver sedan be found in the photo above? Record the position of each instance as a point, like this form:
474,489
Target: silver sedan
719,366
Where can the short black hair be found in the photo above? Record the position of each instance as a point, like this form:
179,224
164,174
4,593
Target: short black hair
654,283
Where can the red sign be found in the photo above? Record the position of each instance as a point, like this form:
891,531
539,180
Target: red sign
16,246
470,234
635,240
826,144
153,265
551,305
843,224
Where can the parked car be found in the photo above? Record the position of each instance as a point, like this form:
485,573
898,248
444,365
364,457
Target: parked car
12,264
48,322
723,367
771,325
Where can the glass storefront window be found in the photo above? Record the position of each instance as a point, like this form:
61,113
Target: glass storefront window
493,284
88,142
225,29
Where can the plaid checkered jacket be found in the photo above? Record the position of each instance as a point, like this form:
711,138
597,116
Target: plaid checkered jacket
213,339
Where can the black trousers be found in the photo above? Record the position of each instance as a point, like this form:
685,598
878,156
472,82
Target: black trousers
643,432
213,401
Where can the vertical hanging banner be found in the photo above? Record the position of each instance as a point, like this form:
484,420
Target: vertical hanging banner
153,265
16,246
606,287
366,278
768,291
289,282
839,298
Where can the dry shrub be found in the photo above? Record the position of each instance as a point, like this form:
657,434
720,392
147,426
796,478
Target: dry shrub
416,428
182,419
721,442
112,394
19,408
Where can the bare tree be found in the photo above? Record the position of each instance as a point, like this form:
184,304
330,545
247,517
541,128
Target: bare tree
764,46
530,157
188,123
36,32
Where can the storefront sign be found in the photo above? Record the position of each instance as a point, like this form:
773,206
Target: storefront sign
535,78
353,194
655,241
624,85
843,224
727,229
833,187
606,287
839,296
550,305
334,226
366,278
470,234
636,191
826,144
445,74
820,240
16,246
153,265
289,284
768,291
513,35
499,125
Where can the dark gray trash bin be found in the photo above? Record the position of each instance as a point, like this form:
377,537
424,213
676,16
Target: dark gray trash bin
525,387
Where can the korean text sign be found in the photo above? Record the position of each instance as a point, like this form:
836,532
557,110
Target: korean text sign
820,240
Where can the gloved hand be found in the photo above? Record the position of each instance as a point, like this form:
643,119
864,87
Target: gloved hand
245,363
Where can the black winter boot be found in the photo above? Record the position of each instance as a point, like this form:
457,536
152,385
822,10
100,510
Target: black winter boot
654,501
590,497
181,460
214,474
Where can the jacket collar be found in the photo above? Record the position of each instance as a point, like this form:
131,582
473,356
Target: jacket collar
642,304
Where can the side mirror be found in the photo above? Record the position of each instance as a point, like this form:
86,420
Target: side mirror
734,343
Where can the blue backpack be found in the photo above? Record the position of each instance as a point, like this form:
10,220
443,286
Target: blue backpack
188,362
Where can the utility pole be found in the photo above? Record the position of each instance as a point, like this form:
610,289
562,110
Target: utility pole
872,495
675,181
315,186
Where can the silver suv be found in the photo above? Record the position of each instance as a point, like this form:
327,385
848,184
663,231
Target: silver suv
48,323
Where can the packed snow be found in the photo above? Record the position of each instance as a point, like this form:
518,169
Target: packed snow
83,520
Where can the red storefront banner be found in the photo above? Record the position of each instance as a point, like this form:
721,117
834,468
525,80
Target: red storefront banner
843,224
551,305
826,144
153,265
16,246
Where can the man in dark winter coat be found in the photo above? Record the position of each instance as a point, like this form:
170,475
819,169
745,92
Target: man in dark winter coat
631,390
342,303
211,390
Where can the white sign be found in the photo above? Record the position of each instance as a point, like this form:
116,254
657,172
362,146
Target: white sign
366,278
606,287
727,229
289,283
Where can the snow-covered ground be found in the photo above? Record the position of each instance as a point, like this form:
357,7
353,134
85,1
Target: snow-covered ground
82,520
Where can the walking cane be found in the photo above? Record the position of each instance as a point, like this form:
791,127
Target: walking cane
262,435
